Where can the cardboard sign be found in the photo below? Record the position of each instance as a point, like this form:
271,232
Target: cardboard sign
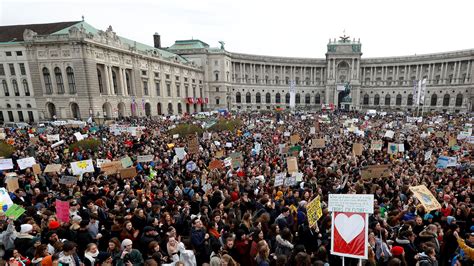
424,195
145,158
357,148
294,139
220,154
318,143
128,172
193,144
376,145
68,180
292,164
100,162
452,141
314,211
12,184
216,164
36,169
126,162
52,138
237,160
375,171
111,168
363,203
52,168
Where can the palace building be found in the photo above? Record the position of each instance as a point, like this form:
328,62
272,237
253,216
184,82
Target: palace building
70,70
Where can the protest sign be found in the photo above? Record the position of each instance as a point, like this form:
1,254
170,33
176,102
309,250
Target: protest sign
175,136
376,145
292,164
193,144
78,136
52,138
294,139
228,145
68,180
6,164
389,134
279,179
128,172
220,154
312,130
216,164
351,203
52,168
5,200
314,211
56,144
357,148
100,162
26,162
81,167
392,148
180,153
111,167
126,162
36,169
237,159
12,184
62,210
424,195
298,176
228,162
15,211
145,158
375,171
442,162
452,141
290,181
428,155
318,143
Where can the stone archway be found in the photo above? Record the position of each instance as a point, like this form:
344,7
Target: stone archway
343,74
147,109
121,109
107,110
158,107
51,110
76,114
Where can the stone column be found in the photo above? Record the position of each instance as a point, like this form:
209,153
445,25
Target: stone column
352,70
120,81
458,72
107,80
468,70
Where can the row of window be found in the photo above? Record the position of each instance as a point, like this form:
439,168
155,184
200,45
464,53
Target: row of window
398,100
146,91
20,114
18,53
58,79
16,90
258,98
11,68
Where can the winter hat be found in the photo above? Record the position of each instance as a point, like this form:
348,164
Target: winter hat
450,219
472,228
428,216
26,228
102,257
76,219
53,225
446,197
279,195
126,242
234,196
397,251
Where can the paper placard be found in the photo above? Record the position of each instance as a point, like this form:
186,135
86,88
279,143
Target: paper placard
393,148
424,195
100,162
298,176
12,184
145,158
26,162
220,154
290,181
452,141
228,145
175,136
81,167
6,164
128,172
292,164
294,139
428,155
227,162
126,162
357,148
36,169
318,143
351,203
2,135
237,160
78,136
216,164
57,144
52,168
279,179
15,211
389,134
286,134
52,138
314,211
376,145
312,130
180,153
62,211
5,200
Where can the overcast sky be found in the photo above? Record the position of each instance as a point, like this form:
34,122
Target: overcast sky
294,28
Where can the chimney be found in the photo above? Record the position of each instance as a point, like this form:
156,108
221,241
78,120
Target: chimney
157,40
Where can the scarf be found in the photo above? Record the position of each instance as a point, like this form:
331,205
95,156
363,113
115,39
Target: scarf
91,256
214,232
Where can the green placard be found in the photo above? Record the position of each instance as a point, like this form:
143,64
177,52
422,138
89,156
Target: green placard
14,211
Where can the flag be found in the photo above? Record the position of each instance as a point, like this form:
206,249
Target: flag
415,92
422,91
292,94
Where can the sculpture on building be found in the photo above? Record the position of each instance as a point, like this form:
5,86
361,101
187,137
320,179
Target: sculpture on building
29,35
222,45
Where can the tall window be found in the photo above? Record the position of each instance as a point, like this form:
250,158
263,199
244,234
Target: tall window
99,78
168,89
307,99
59,80
459,99
217,76
178,90
268,98
387,99
70,80
376,99
5,88
145,88
194,92
2,70
157,86
22,69
446,99
247,97
15,88
398,100
127,81
114,82
200,92
317,99
434,99
238,97
258,98
277,98
20,113
287,98
47,81
26,87
366,99
217,101
410,99
10,113
186,91
12,69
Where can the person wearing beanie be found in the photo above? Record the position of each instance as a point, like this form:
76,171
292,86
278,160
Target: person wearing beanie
53,225
397,251
406,240
24,240
129,255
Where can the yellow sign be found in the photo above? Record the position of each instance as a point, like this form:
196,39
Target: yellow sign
426,198
314,211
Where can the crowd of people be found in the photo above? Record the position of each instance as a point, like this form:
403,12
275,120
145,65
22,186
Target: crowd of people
171,214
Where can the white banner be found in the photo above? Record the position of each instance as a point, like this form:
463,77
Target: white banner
351,203
52,138
81,167
145,158
102,161
26,162
5,200
78,136
6,164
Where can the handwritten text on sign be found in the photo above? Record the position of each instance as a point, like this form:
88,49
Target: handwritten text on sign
351,203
